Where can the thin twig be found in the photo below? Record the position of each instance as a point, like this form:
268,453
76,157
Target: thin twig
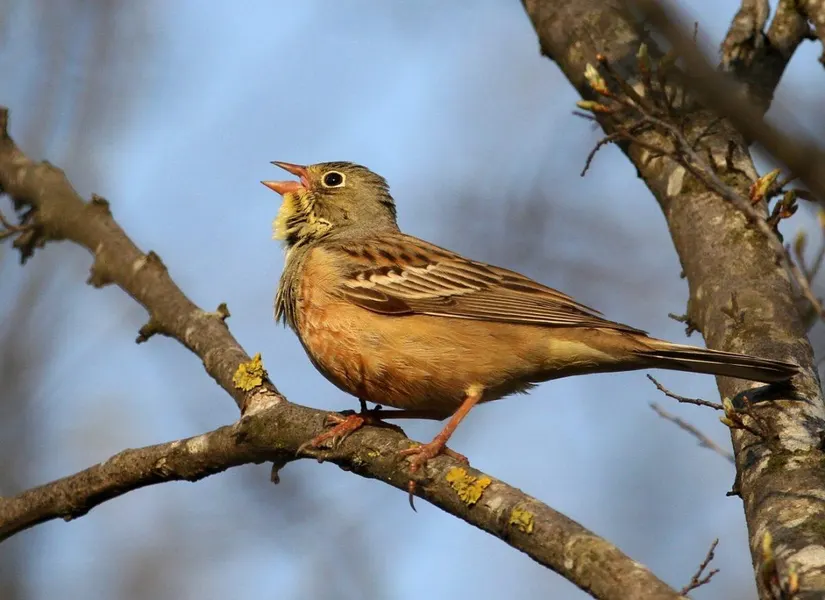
698,580
634,96
602,142
704,441
732,418
635,129
684,400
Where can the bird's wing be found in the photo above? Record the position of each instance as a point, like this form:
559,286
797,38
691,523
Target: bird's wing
396,274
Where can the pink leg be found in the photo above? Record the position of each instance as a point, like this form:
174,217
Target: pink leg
422,454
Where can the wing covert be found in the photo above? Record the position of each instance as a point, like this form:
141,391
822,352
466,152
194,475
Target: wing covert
396,274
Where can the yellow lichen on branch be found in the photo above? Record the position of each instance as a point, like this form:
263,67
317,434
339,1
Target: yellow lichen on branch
522,519
468,487
250,375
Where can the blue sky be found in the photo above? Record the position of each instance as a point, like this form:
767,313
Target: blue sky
453,104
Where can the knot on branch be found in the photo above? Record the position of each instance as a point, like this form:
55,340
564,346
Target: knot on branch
162,468
99,205
151,259
98,274
75,510
690,325
222,313
27,233
152,327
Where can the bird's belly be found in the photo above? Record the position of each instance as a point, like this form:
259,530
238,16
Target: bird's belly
375,368
418,361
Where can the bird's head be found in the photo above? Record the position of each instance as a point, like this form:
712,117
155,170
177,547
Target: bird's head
330,197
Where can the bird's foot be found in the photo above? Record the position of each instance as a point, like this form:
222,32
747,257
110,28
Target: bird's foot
422,454
343,425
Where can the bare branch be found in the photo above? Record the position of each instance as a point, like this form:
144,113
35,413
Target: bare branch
788,29
274,434
698,580
683,399
57,212
704,440
814,10
757,60
746,35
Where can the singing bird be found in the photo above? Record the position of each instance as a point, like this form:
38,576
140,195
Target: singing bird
397,321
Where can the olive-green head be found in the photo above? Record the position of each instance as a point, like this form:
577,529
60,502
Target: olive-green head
330,197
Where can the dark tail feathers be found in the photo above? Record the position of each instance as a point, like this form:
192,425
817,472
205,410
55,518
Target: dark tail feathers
715,362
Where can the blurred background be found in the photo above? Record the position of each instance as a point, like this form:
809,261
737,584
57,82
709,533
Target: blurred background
172,111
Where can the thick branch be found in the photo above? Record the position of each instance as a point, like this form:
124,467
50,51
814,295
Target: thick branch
59,213
271,428
745,35
274,434
759,60
788,29
728,263
815,11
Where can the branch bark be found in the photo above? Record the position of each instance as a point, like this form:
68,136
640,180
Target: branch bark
270,428
800,153
726,262
274,434
814,10
757,59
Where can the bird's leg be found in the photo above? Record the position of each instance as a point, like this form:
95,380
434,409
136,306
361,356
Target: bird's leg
420,455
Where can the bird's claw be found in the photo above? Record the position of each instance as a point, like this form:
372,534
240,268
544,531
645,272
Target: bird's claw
343,425
421,455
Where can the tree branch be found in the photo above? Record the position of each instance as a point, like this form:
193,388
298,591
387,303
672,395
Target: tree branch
704,440
701,576
758,60
802,155
274,434
271,428
723,256
814,10
55,211
745,36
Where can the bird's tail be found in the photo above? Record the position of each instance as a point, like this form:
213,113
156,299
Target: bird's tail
677,357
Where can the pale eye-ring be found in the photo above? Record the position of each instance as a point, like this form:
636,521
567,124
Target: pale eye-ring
333,179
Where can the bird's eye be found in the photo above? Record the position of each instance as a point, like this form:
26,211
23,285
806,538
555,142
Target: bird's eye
333,179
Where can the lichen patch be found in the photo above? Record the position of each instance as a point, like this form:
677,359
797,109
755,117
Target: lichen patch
250,375
468,487
522,519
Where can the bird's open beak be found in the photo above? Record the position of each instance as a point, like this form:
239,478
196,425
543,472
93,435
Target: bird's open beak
287,187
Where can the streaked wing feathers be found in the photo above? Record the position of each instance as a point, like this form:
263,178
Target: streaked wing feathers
399,274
